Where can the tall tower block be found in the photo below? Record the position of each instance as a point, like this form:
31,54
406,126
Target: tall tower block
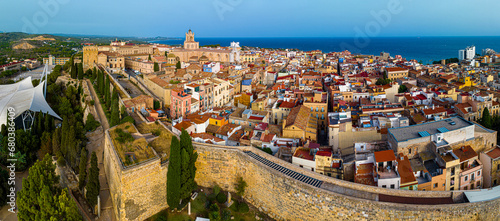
89,56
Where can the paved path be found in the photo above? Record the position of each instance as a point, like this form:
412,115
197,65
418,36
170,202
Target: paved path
96,143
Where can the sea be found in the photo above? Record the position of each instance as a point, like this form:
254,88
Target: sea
423,49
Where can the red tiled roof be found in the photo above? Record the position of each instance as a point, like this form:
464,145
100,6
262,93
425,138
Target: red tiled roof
495,153
384,156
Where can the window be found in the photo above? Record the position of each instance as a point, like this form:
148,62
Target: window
322,109
384,186
465,188
435,185
479,173
392,186
466,178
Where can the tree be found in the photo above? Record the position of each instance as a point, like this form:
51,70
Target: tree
82,175
174,174
40,199
402,88
107,92
73,67
45,144
4,187
178,65
240,187
93,185
80,70
486,118
188,168
149,58
156,104
156,67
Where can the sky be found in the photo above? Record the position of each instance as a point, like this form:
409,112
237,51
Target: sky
253,18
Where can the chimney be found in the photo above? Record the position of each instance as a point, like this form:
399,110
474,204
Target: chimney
433,106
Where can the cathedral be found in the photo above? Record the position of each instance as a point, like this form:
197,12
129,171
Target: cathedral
191,52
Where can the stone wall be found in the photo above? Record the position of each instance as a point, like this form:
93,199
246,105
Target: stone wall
284,198
139,192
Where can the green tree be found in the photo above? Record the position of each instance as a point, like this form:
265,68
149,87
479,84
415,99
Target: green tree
188,168
178,65
40,199
156,104
115,112
73,70
402,88
107,92
174,174
156,67
80,70
4,187
149,58
93,185
82,175
56,141
486,118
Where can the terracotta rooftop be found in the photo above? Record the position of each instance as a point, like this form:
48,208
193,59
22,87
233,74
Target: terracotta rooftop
494,153
212,128
303,153
183,125
465,153
404,169
299,117
384,156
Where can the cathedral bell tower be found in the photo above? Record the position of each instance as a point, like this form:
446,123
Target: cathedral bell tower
189,43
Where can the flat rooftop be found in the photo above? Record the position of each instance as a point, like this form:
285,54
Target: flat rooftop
412,132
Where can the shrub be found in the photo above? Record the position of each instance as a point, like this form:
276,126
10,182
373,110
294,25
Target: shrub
214,207
157,132
234,206
216,189
61,161
123,136
221,197
211,197
226,214
92,102
243,207
128,119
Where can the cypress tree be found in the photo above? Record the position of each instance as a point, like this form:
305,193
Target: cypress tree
80,71
83,168
188,168
107,97
73,70
178,65
156,67
174,174
115,109
93,186
486,118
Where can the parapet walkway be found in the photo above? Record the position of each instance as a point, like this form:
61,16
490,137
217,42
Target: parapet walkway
347,191
298,176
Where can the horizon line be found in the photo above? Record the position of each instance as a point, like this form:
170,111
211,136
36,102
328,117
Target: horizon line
181,37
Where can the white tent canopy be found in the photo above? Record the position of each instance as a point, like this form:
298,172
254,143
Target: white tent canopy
22,96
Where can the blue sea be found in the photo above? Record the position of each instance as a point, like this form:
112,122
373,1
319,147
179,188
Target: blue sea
425,49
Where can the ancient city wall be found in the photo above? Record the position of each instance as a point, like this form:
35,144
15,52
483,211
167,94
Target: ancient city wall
139,192
284,198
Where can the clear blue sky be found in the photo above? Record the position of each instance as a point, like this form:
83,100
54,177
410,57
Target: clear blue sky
252,18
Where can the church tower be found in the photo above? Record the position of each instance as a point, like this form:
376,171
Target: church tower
189,43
